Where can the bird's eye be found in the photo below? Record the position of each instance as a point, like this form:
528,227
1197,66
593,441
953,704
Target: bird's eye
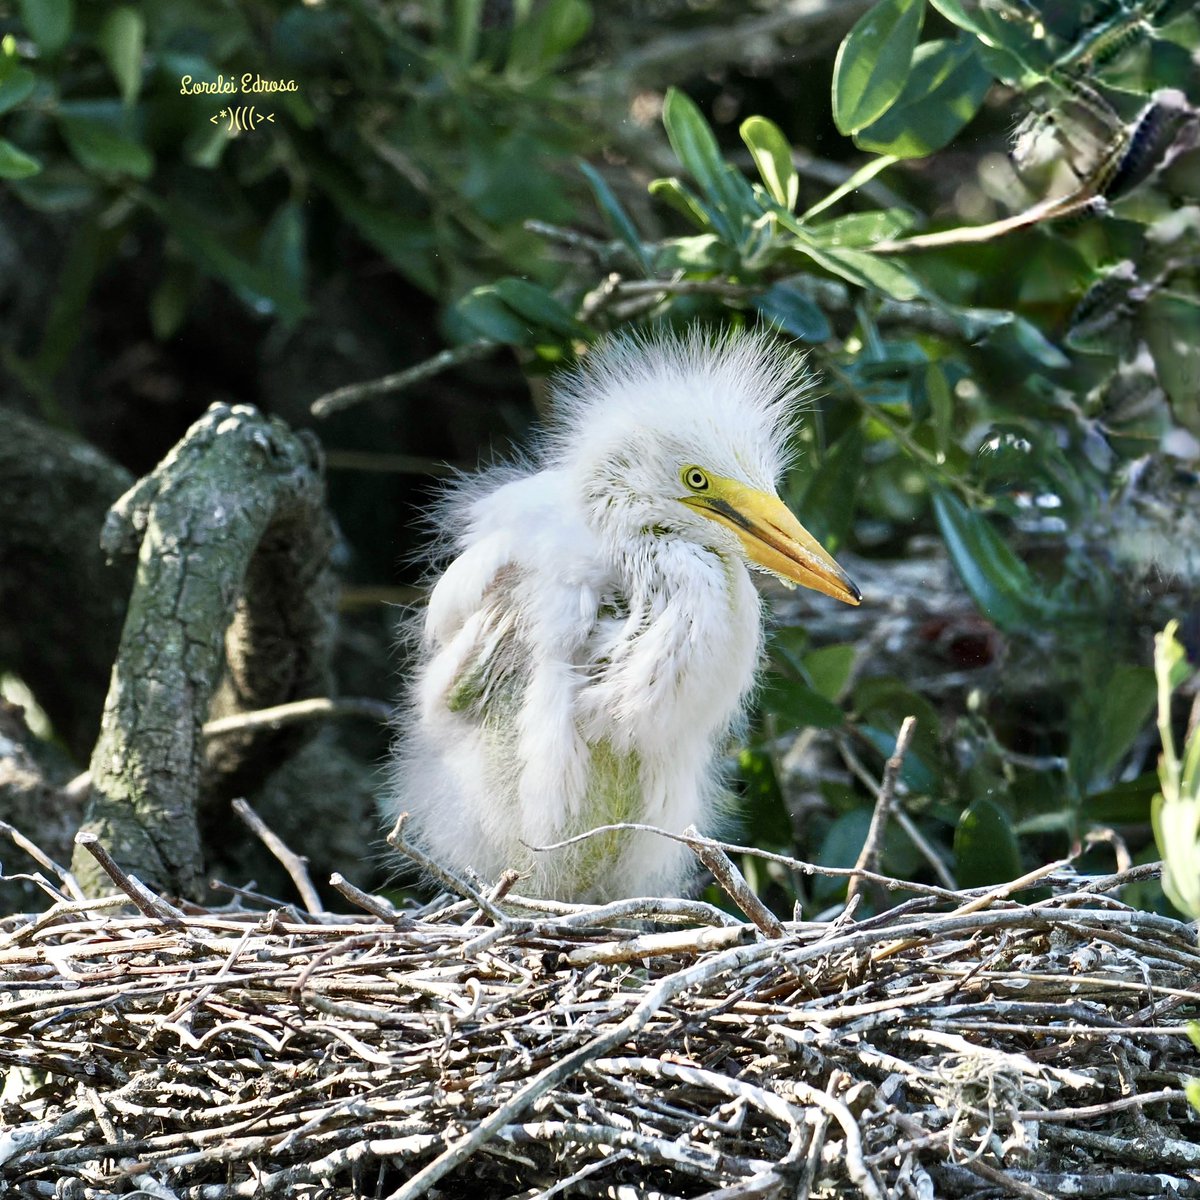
695,479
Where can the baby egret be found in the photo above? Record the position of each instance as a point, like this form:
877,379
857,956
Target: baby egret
593,641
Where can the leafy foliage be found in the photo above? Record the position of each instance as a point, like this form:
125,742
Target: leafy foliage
998,410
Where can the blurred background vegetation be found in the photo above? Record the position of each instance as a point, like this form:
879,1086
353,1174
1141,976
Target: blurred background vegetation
980,218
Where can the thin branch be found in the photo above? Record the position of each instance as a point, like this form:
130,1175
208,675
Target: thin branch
355,393
146,902
298,711
446,878
872,849
735,885
294,864
44,860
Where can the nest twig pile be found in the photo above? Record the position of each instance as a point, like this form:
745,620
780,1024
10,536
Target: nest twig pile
960,1044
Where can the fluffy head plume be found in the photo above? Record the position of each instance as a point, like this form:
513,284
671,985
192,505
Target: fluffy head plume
729,399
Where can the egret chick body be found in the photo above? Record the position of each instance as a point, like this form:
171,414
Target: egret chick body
592,643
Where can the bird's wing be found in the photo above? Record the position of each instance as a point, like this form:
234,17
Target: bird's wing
516,604
471,635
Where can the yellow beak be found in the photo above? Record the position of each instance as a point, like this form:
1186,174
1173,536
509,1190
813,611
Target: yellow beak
773,538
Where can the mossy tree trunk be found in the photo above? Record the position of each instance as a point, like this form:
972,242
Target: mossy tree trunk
231,533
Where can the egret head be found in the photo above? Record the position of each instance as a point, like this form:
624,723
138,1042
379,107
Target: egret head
686,438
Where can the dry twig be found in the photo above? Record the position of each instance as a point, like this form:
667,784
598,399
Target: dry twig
947,1044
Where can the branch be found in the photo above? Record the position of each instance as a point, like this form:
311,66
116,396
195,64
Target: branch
868,856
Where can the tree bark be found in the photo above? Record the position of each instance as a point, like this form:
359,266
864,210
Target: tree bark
231,532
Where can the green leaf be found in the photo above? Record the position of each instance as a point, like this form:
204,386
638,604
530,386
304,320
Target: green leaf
1125,803
15,86
547,34
862,176
1110,725
1169,325
795,705
464,25
678,196
958,14
731,200
99,145
772,155
882,704
985,846
863,229
170,299
618,219
944,91
489,317
766,812
538,306
62,187
404,241
840,848
1176,830
828,500
91,248
703,252
786,305
283,260
48,22
864,269
16,164
873,62
1005,51
1023,335
121,39
829,668
1191,1087
998,581
941,406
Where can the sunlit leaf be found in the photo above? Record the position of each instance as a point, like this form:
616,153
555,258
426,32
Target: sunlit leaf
678,196
1177,832
873,62
772,154
731,200
944,91
863,229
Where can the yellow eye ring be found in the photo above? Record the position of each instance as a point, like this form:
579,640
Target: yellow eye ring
695,479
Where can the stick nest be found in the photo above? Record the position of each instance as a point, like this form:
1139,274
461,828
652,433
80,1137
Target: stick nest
956,1045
